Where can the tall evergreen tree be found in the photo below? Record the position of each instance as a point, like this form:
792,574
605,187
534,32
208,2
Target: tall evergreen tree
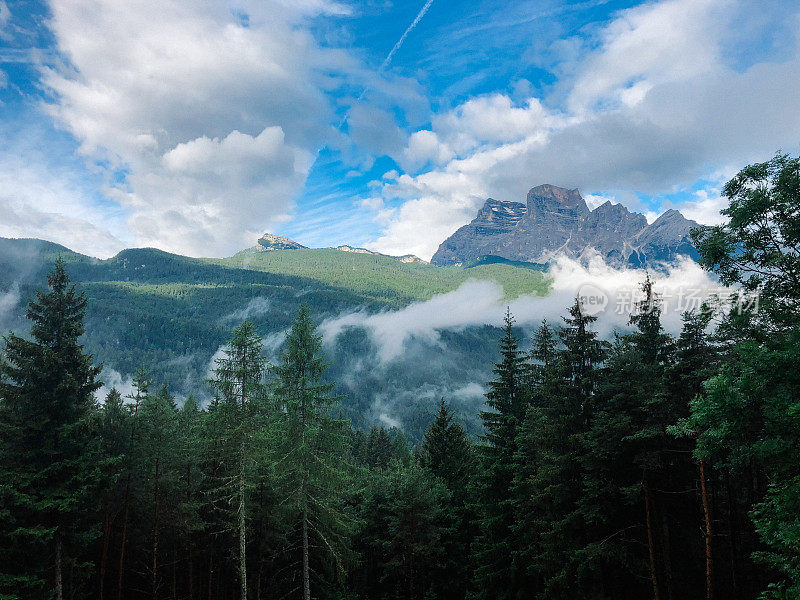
448,455
549,460
239,380
159,451
314,450
494,575
47,446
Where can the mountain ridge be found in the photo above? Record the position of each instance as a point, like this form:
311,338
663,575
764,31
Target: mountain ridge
556,220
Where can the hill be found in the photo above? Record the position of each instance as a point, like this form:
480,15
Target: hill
382,278
172,313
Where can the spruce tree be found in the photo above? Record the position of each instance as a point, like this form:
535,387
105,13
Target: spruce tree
447,454
47,445
417,532
548,484
158,460
239,380
314,448
507,399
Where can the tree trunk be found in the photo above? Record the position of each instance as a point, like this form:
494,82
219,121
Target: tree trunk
126,515
733,532
174,564
242,528
155,533
306,570
211,569
127,503
191,571
189,533
667,553
106,543
648,504
59,577
260,575
707,517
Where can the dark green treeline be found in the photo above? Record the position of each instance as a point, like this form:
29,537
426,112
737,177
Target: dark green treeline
645,467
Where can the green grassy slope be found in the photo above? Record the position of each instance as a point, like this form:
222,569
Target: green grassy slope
384,278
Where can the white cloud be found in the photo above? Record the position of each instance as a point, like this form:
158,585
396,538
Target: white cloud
706,207
212,113
595,200
255,308
9,300
112,378
479,302
43,201
652,106
648,45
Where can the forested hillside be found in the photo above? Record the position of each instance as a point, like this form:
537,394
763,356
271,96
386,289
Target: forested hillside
171,314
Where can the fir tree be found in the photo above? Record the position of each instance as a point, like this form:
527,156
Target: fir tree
549,460
314,447
47,445
447,454
239,380
494,575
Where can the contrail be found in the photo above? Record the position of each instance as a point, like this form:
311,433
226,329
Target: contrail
389,56
403,37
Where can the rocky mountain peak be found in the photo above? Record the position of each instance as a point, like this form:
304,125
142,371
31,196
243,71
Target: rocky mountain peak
568,198
544,200
556,220
269,241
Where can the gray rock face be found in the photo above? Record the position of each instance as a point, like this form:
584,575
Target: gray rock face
557,221
269,241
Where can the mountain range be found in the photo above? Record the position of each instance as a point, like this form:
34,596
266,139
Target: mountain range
557,220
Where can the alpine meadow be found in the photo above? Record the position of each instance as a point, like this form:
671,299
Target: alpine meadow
358,300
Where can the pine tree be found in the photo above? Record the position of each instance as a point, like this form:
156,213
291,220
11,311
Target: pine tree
239,379
379,449
47,445
114,435
417,531
131,470
494,576
549,461
447,451
314,448
189,468
158,422
447,454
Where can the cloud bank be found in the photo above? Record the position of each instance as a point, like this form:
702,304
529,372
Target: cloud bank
481,302
205,116
649,103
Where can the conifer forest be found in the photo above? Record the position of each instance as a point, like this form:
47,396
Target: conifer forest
647,465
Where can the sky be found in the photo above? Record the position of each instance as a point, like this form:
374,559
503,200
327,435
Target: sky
195,126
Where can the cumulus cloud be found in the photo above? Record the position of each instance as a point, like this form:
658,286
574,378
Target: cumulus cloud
481,302
207,117
651,103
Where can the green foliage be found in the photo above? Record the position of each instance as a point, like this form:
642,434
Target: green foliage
759,247
507,399
47,445
312,446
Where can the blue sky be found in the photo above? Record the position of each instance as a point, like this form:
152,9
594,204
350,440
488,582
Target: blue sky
195,126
